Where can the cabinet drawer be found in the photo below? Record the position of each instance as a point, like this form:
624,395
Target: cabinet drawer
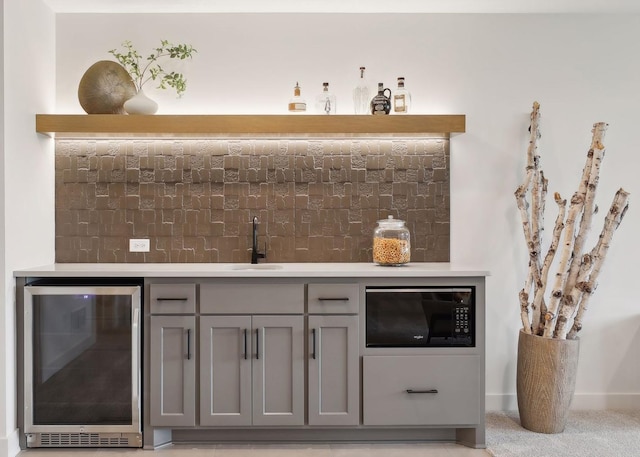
172,298
446,390
252,298
334,298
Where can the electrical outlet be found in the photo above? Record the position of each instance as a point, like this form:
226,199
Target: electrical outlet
141,245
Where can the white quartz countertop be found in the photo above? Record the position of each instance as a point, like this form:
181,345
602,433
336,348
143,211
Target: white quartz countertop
245,270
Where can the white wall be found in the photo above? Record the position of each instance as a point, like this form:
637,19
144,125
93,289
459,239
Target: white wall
27,178
581,68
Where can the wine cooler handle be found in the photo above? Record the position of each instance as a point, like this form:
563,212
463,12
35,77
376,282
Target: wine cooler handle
136,354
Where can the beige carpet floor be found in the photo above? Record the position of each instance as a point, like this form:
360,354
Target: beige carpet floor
587,434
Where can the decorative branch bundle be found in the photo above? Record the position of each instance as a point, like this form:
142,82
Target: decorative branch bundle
577,271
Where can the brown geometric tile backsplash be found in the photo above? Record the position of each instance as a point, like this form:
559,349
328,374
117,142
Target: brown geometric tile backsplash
317,200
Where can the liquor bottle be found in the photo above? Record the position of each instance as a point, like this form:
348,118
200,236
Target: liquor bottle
297,103
361,95
326,101
401,98
381,103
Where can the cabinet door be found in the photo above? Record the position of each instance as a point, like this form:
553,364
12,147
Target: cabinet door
173,371
334,374
278,370
225,370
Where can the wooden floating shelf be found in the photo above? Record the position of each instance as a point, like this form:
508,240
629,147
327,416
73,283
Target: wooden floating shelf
247,126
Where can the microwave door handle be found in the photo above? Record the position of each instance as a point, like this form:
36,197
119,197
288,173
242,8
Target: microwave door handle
422,391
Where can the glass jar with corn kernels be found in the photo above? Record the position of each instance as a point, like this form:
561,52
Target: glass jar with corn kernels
391,242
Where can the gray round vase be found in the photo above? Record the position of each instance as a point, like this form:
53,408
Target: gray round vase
546,380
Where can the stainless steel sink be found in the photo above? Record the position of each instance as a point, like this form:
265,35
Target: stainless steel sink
259,266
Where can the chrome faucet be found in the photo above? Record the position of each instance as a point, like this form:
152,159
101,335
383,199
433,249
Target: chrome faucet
255,254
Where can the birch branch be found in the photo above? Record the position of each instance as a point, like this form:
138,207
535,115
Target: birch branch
539,189
538,193
524,311
530,220
568,313
614,217
534,134
588,188
586,194
561,273
538,306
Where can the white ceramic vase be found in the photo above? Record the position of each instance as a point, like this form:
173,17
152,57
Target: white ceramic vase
140,104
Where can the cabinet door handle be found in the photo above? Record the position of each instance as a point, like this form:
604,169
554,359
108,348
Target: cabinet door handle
245,344
257,344
188,344
422,391
313,335
171,299
333,298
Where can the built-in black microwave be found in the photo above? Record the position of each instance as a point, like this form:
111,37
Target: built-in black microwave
420,317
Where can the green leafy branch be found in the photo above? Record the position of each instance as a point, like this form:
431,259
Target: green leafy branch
142,70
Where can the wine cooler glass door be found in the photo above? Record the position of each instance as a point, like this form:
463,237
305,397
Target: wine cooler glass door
82,353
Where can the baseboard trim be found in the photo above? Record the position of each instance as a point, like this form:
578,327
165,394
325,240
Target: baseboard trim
509,402
10,445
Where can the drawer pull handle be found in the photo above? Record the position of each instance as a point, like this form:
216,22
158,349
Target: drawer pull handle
171,299
333,298
419,391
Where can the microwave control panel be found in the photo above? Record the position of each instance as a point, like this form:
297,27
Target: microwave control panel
462,320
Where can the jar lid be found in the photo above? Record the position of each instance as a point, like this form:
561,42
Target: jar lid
391,222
